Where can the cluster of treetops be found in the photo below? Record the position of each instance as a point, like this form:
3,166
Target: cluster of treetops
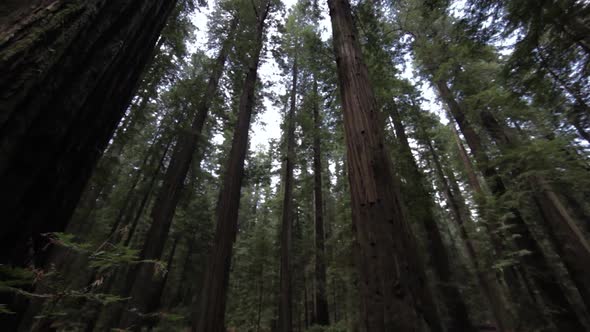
132,200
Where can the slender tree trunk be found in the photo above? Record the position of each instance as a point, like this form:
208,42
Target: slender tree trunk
211,312
467,164
72,67
286,301
124,210
306,319
579,115
260,299
336,307
146,197
486,279
110,280
321,315
169,194
535,263
439,257
181,294
568,239
394,291
156,300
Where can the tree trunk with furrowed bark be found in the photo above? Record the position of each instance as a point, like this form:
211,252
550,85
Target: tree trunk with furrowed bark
286,278
321,314
210,307
394,294
68,70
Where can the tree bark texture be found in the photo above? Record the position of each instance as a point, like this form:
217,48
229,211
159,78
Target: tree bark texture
321,315
286,295
68,70
211,310
392,277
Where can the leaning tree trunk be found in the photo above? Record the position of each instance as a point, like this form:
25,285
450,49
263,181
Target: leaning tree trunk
286,301
439,258
392,277
211,310
68,70
321,315
169,194
570,243
535,264
486,279
157,299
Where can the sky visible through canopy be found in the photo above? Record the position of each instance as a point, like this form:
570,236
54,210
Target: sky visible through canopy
268,124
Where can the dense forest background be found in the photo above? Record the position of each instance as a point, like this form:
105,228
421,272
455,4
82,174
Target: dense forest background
258,165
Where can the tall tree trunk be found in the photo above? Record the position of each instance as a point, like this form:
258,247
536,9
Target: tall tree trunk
169,194
68,70
321,315
568,239
146,196
579,114
393,288
260,299
439,257
157,299
181,295
306,319
286,301
129,197
535,263
466,161
211,312
487,281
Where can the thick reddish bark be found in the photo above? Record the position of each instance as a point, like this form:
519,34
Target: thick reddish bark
286,297
393,288
67,71
321,314
211,311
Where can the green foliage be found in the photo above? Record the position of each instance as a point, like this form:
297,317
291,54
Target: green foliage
536,89
106,255
11,277
338,327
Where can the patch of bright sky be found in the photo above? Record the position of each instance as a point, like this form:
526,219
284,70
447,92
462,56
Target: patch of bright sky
267,126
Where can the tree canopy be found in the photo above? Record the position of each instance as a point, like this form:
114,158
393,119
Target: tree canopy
301,165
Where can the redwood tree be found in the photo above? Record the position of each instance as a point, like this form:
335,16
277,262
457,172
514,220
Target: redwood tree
68,70
286,300
141,279
322,316
210,307
393,288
